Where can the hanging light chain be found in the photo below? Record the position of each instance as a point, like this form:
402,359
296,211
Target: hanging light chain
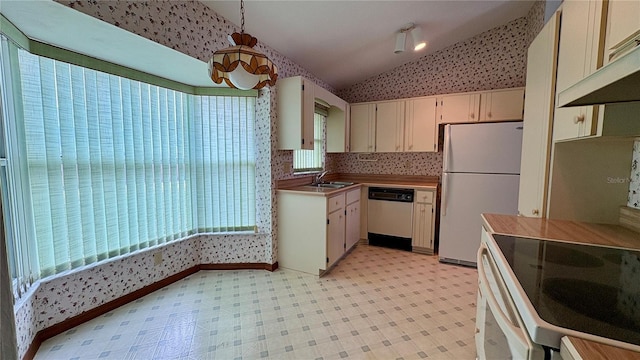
242,16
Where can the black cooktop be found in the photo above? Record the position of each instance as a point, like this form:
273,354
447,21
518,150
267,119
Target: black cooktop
586,288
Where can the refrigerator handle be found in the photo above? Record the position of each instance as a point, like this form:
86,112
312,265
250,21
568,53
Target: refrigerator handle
447,149
443,207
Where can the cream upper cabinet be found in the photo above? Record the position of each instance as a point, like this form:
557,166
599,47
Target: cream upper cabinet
295,105
363,127
457,108
623,28
538,115
420,124
389,126
502,105
338,130
296,99
580,54
423,222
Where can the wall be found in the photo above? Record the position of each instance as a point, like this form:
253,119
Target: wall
491,60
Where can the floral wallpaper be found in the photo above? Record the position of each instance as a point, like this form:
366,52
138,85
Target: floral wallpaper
493,59
194,29
634,183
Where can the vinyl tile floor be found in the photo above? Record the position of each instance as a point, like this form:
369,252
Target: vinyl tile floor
376,303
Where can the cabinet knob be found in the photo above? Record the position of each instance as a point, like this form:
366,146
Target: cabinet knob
535,212
578,119
410,147
472,115
489,114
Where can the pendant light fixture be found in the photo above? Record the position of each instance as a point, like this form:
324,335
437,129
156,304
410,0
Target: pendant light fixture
241,66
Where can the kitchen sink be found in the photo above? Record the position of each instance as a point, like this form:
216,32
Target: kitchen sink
331,185
328,185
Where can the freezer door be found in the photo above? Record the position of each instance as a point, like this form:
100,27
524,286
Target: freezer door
491,148
464,198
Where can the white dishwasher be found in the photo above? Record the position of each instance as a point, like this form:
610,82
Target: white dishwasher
390,217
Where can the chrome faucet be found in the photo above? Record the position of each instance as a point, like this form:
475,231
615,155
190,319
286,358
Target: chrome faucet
318,179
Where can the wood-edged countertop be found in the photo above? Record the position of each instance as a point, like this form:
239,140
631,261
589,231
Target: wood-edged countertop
300,184
563,230
578,349
576,232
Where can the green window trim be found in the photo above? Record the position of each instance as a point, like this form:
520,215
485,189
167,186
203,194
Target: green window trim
53,52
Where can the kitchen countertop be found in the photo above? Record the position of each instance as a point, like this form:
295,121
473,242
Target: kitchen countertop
321,191
563,230
577,232
301,185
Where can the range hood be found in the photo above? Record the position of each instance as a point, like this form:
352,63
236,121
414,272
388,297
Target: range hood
618,81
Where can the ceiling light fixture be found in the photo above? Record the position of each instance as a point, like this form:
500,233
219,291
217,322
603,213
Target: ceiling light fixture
416,36
241,66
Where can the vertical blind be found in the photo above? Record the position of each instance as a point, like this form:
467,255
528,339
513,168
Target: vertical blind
310,160
116,165
224,159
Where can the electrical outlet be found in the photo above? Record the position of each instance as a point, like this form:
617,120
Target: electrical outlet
157,258
407,164
286,166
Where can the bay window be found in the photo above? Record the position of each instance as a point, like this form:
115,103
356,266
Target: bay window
95,165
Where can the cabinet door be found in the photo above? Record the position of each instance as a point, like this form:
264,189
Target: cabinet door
389,126
338,130
420,125
295,106
623,26
422,240
579,54
335,236
353,225
459,108
538,112
502,105
363,128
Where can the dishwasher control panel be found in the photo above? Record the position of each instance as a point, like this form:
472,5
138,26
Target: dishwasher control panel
391,194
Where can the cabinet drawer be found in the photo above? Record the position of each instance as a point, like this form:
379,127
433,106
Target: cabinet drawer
424,197
336,202
353,196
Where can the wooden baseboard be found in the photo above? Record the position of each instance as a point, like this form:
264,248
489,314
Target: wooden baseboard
68,324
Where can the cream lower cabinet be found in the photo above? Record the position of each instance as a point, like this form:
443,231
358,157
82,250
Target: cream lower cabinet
315,231
352,213
423,222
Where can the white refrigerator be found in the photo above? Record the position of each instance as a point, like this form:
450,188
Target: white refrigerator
481,167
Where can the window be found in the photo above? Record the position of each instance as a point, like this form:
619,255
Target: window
110,165
312,160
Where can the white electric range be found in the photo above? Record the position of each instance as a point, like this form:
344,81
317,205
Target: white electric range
533,292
